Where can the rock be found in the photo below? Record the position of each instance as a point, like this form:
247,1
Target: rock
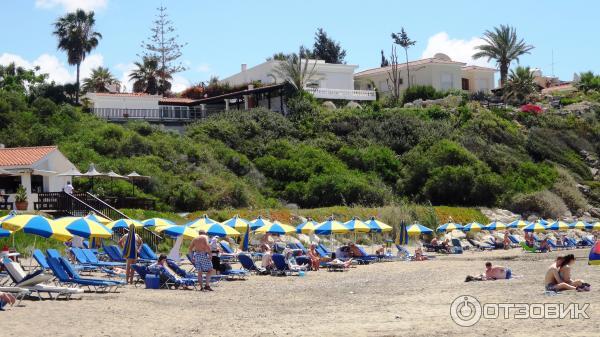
329,105
497,214
595,212
409,105
353,105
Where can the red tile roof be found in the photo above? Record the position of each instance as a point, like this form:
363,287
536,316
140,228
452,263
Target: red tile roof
176,100
18,156
124,94
420,62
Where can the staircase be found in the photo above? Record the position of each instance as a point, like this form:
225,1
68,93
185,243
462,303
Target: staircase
81,204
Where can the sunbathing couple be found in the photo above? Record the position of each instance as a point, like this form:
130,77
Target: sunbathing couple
558,276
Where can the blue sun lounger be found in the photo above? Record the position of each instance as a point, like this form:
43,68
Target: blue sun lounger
366,258
93,260
249,265
55,254
114,253
147,253
281,267
63,277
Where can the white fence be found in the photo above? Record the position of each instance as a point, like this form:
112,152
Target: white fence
345,94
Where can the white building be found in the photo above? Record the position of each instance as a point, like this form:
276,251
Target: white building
330,81
36,168
132,106
440,72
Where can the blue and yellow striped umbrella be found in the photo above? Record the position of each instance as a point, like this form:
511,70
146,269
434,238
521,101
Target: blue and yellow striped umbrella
4,233
356,225
130,248
276,228
258,223
473,227
558,226
217,229
544,222
84,227
331,226
449,227
176,231
307,227
97,218
237,223
377,226
157,222
8,216
517,224
37,225
535,227
124,224
594,226
579,225
402,235
202,221
418,229
495,226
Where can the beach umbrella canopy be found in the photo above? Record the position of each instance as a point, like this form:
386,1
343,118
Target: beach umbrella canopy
276,228
71,173
517,224
418,229
579,225
473,227
535,227
97,218
449,227
495,226
403,234
307,227
331,226
237,223
594,226
85,228
258,223
356,225
543,222
217,229
37,225
377,226
8,216
157,222
176,231
4,233
114,175
124,223
202,221
130,249
558,226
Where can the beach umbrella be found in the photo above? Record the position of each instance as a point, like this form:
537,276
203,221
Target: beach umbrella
4,233
579,225
517,224
449,227
356,225
97,218
258,223
307,227
130,247
418,229
377,226
157,222
237,223
176,231
95,242
245,240
124,224
217,229
402,235
473,227
495,226
594,226
8,216
85,228
330,227
535,227
202,221
276,228
558,226
134,176
543,222
37,225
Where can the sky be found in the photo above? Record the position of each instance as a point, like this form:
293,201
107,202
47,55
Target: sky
221,35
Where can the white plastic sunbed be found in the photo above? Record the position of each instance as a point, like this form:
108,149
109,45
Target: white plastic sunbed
19,293
35,284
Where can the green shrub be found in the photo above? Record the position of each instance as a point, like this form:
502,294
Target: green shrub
566,188
423,92
543,203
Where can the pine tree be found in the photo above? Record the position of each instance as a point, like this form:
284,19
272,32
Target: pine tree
384,60
163,46
327,49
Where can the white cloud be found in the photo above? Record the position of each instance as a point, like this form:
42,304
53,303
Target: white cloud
457,49
126,69
203,68
57,71
179,83
71,5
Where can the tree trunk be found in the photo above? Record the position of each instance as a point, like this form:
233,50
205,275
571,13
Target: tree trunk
407,71
503,74
77,86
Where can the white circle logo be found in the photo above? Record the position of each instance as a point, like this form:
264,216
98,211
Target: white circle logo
465,310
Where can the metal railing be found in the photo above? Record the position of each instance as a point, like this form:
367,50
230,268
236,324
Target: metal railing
163,114
344,94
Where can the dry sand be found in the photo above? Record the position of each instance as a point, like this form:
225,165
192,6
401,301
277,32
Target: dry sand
382,299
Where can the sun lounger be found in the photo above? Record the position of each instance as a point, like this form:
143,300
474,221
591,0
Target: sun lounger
141,272
147,253
282,267
58,268
68,267
35,283
169,280
93,260
366,258
526,248
18,293
457,247
479,245
55,254
114,253
249,265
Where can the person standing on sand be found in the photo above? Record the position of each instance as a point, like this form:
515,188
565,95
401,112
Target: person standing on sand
201,256
131,249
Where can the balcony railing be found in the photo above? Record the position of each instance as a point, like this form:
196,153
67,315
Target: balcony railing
181,114
345,94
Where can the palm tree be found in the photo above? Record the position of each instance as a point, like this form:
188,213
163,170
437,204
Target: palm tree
296,71
99,81
504,46
520,85
76,36
147,77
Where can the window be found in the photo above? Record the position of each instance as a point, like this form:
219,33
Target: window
446,81
9,183
465,84
37,184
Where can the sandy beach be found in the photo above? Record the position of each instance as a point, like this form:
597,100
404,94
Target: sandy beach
382,299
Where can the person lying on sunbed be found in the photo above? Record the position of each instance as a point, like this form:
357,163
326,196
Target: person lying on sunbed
497,272
565,274
7,298
380,252
161,263
419,254
290,260
354,251
315,259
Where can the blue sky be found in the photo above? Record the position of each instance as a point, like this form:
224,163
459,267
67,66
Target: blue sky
223,34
